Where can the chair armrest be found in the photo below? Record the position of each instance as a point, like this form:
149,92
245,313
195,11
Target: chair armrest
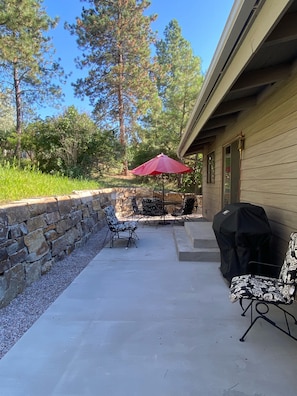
264,269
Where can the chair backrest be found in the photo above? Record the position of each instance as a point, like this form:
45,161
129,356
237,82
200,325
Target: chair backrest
288,272
152,207
134,206
110,215
189,206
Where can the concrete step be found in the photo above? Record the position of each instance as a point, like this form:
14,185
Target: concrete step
187,252
201,234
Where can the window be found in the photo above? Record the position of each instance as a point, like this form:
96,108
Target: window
231,174
211,167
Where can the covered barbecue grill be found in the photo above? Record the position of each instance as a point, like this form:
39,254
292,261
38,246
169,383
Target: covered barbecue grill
243,234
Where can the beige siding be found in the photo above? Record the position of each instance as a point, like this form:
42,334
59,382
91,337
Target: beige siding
269,162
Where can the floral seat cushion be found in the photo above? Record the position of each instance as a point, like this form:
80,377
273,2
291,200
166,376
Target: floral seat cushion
279,290
116,225
260,288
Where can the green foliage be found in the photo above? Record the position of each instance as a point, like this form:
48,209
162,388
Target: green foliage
179,80
178,84
192,182
26,58
141,106
71,144
115,38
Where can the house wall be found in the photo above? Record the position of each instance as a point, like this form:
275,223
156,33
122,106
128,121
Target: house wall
269,161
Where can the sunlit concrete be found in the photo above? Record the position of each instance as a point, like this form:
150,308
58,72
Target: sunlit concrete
138,322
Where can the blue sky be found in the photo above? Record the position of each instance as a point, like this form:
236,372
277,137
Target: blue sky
202,23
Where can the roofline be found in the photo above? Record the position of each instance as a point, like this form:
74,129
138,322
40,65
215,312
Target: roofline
239,23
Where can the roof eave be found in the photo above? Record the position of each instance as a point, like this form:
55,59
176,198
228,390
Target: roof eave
242,35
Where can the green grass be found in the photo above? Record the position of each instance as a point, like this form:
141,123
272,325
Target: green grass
19,184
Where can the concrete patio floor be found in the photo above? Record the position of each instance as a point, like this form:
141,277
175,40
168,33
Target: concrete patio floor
137,322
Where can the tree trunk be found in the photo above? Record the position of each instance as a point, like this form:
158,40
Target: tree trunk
18,102
121,108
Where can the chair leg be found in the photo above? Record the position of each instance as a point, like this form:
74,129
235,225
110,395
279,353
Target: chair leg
113,235
245,309
132,238
262,315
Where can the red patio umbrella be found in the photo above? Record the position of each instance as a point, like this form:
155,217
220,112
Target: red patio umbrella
161,164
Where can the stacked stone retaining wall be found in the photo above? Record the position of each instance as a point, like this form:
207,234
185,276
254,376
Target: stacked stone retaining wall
36,233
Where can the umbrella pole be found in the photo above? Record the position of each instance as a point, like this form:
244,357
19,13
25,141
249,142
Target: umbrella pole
163,206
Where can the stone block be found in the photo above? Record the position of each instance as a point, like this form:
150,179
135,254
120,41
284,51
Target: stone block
87,225
36,222
11,284
49,228
12,247
76,217
96,204
47,266
52,217
61,256
84,196
51,235
3,288
36,243
23,228
79,230
17,213
52,205
37,207
59,245
64,205
32,272
4,266
3,226
3,253
63,225
72,236
85,213
70,249
18,257
17,230
32,257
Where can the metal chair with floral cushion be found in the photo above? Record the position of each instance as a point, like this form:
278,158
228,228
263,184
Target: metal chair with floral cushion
116,227
263,292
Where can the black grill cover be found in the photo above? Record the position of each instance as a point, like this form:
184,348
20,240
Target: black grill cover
243,234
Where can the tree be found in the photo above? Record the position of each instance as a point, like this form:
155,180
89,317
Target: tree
70,144
179,82
26,62
115,38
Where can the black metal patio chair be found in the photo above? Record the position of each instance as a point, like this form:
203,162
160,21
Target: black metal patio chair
185,210
153,207
136,212
262,292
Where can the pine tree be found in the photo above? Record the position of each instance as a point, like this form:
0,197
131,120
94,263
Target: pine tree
26,61
178,84
115,37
